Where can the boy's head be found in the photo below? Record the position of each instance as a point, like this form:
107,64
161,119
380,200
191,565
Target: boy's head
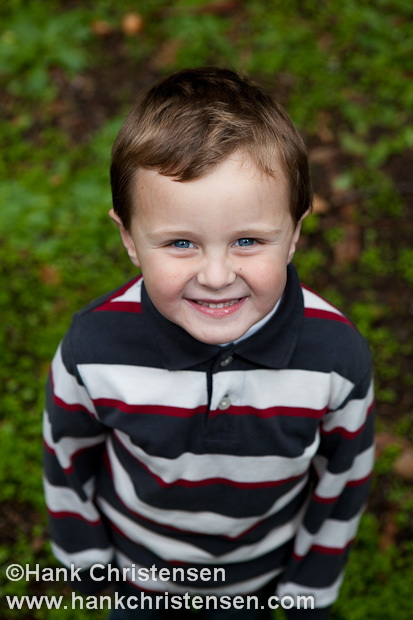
210,182
191,121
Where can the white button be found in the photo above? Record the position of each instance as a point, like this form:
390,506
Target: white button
225,403
226,361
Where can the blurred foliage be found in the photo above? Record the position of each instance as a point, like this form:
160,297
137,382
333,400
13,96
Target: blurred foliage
343,70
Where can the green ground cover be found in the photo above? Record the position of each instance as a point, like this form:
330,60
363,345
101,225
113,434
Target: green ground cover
68,73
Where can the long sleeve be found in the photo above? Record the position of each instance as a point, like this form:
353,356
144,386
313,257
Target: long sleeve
342,469
73,445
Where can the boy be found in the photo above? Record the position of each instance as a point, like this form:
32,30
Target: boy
209,425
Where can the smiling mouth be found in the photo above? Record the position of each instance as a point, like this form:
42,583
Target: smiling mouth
221,304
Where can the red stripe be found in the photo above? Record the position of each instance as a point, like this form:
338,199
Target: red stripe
310,290
326,550
360,481
72,406
344,432
64,514
120,306
70,468
224,481
67,406
120,291
180,412
165,525
148,409
351,483
325,500
331,550
299,412
48,448
106,461
315,313
123,305
182,482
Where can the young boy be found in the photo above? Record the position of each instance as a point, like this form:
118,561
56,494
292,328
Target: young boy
209,425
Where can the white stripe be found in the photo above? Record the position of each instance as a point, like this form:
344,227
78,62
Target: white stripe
170,549
211,522
63,499
291,388
332,485
132,294
89,487
66,387
323,596
196,467
352,416
312,300
333,534
340,388
241,587
187,389
83,559
66,447
144,386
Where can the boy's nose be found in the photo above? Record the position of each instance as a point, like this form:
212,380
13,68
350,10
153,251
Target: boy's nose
216,273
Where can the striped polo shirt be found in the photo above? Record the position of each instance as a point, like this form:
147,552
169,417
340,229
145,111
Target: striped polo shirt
254,457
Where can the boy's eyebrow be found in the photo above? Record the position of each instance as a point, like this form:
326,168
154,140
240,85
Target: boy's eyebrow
245,232
256,232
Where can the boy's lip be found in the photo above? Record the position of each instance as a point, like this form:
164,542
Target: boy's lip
217,308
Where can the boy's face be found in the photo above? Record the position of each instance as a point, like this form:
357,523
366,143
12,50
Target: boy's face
213,252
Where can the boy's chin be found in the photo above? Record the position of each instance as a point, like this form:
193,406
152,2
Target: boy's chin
217,337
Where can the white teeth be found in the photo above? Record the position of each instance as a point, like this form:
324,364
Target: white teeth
225,304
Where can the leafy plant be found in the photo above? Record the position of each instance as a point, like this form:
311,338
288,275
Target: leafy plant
31,49
342,70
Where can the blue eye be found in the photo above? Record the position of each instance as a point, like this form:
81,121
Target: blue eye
182,244
245,242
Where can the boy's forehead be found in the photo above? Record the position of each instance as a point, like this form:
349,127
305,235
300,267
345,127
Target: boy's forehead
245,197
237,170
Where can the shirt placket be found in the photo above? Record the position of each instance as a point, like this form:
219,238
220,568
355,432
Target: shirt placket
221,419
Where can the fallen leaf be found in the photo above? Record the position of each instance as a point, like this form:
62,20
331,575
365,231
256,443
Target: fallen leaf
49,274
347,249
56,179
403,465
323,154
320,204
132,24
101,28
224,8
37,543
167,54
324,130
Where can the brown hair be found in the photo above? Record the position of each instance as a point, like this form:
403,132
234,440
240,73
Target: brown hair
191,121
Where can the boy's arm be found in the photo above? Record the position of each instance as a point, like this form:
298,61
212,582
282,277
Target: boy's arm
73,453
342,466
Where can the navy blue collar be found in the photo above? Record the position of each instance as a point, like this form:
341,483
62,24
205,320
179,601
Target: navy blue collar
272,346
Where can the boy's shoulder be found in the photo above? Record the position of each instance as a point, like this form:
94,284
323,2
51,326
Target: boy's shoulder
125,298
317,307
332,337
103,329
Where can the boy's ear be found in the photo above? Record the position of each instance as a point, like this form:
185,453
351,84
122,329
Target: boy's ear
296,237
126,238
